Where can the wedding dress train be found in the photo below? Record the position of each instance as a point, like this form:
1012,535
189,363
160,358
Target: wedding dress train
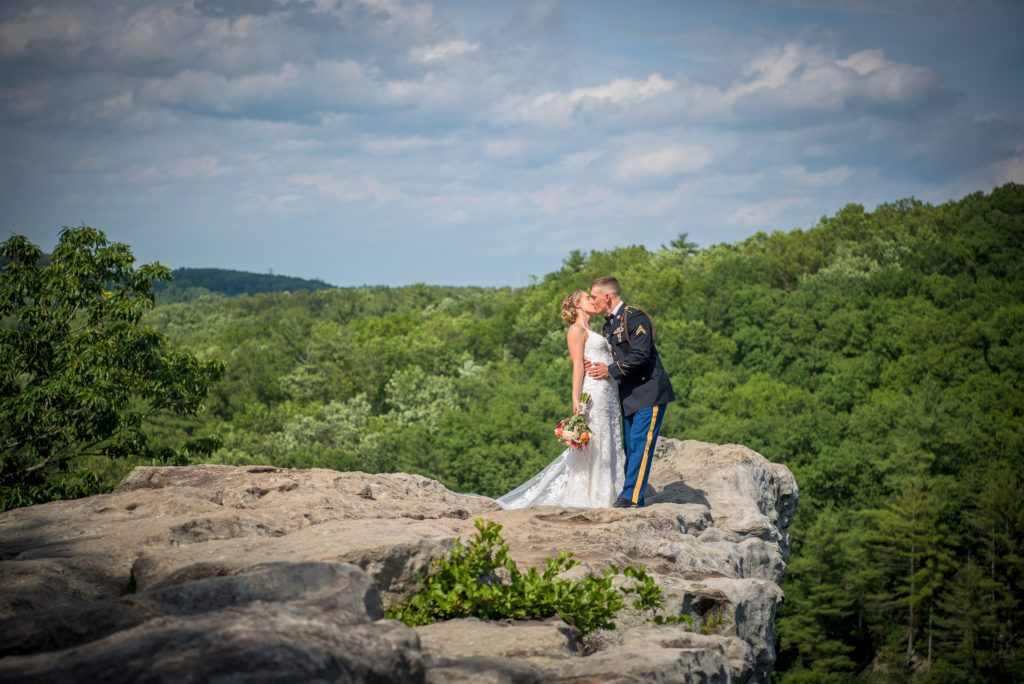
592,476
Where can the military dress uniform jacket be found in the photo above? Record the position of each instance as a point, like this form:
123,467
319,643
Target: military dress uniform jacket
637,368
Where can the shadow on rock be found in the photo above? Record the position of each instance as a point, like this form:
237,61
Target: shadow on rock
677,492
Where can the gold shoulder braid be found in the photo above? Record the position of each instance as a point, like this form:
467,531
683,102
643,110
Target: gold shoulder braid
625,324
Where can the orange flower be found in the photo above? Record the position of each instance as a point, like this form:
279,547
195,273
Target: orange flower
584,438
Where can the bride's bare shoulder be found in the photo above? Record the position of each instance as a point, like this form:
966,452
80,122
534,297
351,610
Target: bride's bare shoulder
576,334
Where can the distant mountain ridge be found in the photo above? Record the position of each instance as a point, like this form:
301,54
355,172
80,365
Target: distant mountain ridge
189,283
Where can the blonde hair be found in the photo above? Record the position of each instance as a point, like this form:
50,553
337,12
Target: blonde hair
569,305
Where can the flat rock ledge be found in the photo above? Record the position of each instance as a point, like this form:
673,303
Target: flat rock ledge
256,574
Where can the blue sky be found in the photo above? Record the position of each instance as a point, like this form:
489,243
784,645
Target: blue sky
393,142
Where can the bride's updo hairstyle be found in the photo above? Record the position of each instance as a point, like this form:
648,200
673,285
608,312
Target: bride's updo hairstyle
569,305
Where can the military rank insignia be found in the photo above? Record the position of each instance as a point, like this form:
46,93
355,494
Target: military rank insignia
640,329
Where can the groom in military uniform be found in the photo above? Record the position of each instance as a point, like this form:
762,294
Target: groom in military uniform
644,387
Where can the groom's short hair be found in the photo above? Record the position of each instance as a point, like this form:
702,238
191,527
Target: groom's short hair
610,283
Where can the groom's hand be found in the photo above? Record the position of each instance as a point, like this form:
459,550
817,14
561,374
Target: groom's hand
596,369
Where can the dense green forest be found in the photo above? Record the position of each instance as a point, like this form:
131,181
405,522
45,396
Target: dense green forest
879,355
189,283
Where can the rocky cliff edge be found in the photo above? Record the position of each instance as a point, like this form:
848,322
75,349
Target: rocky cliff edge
239,574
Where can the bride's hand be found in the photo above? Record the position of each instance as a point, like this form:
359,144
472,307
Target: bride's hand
575,406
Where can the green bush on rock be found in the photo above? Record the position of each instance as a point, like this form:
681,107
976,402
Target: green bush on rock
467,585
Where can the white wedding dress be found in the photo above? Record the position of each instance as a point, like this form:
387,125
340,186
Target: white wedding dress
592,476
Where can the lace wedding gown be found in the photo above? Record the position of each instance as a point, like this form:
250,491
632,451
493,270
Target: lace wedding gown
590,477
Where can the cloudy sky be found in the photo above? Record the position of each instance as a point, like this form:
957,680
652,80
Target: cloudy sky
468,142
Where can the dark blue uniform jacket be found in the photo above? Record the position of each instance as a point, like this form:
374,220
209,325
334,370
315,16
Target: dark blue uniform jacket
642,379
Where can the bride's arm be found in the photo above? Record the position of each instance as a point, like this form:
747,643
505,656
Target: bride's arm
576,338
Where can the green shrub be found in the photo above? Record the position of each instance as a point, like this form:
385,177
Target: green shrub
466,585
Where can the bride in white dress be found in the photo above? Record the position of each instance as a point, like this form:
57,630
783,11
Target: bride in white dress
590,476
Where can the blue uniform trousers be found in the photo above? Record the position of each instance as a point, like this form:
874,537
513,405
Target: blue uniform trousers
639,436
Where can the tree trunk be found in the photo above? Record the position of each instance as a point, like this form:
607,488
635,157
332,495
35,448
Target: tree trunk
910,603
929,661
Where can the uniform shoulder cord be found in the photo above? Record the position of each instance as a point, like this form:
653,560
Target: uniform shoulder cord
625,310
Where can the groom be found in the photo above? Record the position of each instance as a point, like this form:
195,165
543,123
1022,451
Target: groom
644,387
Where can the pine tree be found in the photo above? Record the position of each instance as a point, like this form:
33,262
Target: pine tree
915,545
818,612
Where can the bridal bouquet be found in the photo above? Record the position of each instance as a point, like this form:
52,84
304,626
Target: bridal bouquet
574,431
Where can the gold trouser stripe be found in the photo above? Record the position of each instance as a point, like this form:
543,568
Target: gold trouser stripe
643,462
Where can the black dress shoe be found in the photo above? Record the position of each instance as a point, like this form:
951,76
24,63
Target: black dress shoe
623,503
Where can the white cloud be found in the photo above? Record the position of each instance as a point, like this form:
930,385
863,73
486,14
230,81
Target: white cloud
295,91
540,12
559,108
433,91
36,27
281,203
811,79
820,179
442,51
888,81
670,160
25,101
624,90
326,83
347,189
118,106
295,145
137,36
914,8
98,163
384,111
400,145
555,198
206,166
1010,171
501,149
385,16
457,216
763,214
578,161
865,61
788,77
796,76
777,66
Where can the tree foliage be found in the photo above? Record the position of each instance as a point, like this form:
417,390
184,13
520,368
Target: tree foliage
187,284
79,374
878,354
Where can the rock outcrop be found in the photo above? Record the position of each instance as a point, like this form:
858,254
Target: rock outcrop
222,573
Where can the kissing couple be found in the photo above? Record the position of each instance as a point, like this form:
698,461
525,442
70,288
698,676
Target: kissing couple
621,371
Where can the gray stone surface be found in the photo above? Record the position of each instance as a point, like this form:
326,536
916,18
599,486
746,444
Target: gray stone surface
394,552
639,663
258,642
735,650
454,640
219,573
335,586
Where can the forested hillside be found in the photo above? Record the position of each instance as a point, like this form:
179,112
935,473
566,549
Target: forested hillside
189,283
878,354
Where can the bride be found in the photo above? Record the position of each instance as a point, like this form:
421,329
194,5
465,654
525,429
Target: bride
590,476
